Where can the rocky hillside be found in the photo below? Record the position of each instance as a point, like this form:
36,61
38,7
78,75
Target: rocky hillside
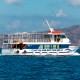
73,33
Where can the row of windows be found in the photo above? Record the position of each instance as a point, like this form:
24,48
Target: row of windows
53,46
45,46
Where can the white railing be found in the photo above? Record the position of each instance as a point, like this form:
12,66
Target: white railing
29,37
25,40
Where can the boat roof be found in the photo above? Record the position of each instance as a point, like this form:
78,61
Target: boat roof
57,32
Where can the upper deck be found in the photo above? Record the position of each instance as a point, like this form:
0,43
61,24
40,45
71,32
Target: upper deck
32,38
26,37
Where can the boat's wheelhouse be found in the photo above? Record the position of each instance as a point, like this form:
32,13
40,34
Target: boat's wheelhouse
58,38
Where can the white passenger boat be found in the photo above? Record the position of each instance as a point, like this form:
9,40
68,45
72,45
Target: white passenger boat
52,42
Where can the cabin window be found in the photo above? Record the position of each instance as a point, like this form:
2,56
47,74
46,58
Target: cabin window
41,47
46,46
14,46
9,46
51,46
57,38
54,46
47,36
5,46
60,46
63,36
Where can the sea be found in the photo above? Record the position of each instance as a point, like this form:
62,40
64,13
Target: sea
40,67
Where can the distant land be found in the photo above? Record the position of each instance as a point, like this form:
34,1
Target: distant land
73,33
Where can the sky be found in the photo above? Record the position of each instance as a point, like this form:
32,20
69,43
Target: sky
30,15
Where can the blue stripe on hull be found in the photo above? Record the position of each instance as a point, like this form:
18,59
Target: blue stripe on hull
48,47
32,46
64,46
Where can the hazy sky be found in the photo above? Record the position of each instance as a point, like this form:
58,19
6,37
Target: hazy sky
29,15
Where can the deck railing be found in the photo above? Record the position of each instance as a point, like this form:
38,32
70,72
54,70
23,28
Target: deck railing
29,37
26,40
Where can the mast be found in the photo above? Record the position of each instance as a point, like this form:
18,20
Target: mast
51,29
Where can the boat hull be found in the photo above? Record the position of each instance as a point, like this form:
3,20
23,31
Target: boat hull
56,52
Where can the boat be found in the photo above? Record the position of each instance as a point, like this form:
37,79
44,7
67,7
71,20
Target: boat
52,42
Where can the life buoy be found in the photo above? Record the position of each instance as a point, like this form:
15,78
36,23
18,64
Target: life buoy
61,40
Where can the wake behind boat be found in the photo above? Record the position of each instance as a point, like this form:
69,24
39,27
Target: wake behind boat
53,42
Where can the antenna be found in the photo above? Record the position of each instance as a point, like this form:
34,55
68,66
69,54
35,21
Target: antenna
48,23
51,29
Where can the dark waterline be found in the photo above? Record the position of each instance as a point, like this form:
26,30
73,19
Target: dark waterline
39,67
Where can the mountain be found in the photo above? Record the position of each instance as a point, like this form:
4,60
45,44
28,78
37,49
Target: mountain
73,33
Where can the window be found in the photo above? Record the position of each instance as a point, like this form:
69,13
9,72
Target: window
9,46
46,46
59,46
63,36
41,47
5,46
57,38
54,46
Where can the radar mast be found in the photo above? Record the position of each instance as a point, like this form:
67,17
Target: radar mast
51,29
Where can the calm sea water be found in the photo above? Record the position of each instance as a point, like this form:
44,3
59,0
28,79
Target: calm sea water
40,67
